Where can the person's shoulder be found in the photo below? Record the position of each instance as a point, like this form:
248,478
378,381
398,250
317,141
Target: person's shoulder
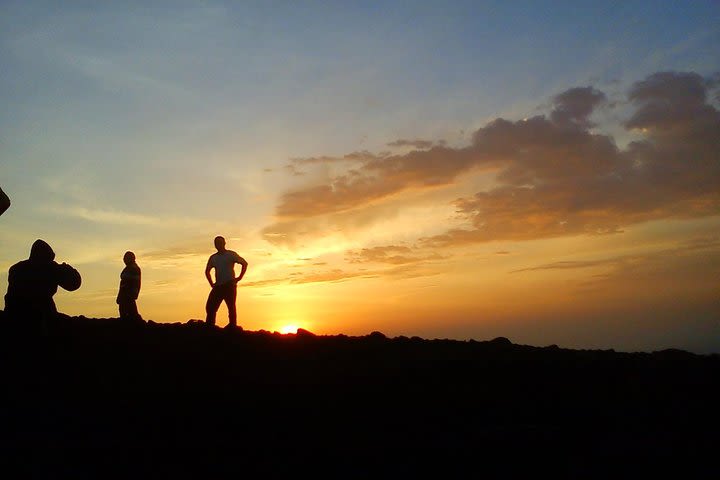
22,264
17,266
133,269
234,254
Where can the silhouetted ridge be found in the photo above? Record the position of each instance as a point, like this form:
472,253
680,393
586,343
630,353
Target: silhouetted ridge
199,399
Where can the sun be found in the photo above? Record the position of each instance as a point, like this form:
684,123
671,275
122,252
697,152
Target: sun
289,329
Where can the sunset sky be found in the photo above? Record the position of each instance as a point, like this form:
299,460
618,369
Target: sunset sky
544,171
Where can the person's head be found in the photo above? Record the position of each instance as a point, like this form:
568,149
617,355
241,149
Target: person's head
220,243
129,258
41,252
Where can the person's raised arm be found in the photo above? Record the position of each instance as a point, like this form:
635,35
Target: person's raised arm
243,269
4,202
209,267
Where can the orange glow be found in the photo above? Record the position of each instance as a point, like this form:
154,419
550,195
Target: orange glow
289,329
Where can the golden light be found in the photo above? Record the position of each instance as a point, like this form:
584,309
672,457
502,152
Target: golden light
289,329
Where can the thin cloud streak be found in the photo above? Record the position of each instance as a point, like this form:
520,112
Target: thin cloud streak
118,217
336,275
695,262
392,254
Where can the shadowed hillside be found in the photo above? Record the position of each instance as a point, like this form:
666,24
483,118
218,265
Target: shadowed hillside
98,396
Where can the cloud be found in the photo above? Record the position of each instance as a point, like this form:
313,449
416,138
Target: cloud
377,177
573,265
700,246
403,271
392,254
574,106
563,180
102,216
361,195
696,262
416,144
119,217
298,278
554,176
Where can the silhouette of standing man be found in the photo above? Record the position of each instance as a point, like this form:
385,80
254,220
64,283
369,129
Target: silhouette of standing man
129,289
33,282
225,286
4,202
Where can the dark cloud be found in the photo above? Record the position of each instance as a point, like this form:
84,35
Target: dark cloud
574,106
555,176
581,183
376,178
671,104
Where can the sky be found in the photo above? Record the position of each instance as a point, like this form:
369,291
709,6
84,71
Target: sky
544,171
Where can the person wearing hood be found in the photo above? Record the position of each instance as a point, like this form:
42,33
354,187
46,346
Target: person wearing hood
33,282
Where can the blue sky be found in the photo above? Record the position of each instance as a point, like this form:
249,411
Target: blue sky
152,128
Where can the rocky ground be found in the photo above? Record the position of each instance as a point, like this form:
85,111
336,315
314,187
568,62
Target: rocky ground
103,398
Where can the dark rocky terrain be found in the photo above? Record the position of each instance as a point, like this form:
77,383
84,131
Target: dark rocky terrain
101,398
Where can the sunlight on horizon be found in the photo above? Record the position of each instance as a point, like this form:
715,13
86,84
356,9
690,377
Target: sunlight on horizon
288,329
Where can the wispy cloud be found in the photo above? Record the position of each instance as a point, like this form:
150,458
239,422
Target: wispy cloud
114,217
416,144
119,217
693,259
392,254
336,275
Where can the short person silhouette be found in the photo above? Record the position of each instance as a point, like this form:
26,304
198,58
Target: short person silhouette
224,288
33,282
129,289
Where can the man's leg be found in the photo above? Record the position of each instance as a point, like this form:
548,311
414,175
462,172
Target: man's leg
134,311
128,309
212,305
122,308
230,297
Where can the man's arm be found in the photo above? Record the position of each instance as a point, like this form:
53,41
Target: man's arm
4,202
209,267
244,266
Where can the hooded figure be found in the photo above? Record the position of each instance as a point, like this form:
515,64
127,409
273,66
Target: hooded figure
33,282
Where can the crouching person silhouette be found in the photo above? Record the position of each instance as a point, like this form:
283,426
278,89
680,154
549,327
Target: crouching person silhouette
32,284
129,289
224,288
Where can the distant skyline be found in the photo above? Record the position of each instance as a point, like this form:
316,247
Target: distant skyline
544,171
